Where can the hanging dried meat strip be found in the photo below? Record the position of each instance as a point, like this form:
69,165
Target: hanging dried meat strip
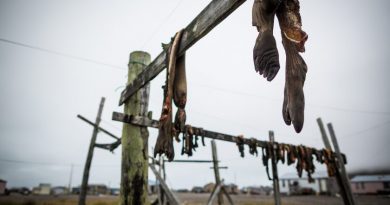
253,147
180,93
329,161
240,144
265,53
267,153
164,143
293,38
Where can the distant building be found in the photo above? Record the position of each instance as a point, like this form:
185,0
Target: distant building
208,188
370,184
232,189
76,190
3,184
256,190
42,189
59,190
97,189
291,184
197,189
115,191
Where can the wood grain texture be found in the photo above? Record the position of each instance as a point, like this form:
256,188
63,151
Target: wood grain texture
146,122
207,19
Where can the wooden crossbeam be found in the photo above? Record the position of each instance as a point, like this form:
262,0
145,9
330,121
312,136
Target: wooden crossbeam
146,122
109,146
190,161
99,128
207,19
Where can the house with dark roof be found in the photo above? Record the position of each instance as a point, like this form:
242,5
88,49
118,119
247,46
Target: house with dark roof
371,184
291,184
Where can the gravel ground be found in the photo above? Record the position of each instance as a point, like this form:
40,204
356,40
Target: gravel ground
194,199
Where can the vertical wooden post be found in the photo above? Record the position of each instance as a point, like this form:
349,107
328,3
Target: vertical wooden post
325,138
345,194
134,176
274,170
341,168
216,170
70,180
163,198
159,189
84,183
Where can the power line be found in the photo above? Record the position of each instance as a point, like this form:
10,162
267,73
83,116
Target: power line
52,163
60,53
367,129
161,25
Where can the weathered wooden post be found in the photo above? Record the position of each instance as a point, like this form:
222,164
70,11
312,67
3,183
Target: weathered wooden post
134,176
341,168
343,183
323,133
216,170
84,183
325,139
274,170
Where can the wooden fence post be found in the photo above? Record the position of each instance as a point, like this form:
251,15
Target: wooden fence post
84,183
274,170
134,176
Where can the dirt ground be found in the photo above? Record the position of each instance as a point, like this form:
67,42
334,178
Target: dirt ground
193,199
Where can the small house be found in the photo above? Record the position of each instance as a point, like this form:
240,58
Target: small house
97,189
59,190
256,190
42,189
232,188
209,187
291,184
371,184
3,184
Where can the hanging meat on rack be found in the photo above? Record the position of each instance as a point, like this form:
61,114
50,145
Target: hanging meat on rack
293,38
180,94
164,143
265,53
266,56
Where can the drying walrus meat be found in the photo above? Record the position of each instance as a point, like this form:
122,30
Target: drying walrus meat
265,53
180,94
293,39
266,57
164,143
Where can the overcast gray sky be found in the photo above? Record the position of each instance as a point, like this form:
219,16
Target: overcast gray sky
41,93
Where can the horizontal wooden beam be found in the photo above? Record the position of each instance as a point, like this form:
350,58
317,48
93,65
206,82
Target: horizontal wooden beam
146,122
190,161
99,128
224,167
206,20
109,146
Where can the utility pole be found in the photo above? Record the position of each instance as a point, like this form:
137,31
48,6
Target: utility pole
134,174
70,179
84,184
